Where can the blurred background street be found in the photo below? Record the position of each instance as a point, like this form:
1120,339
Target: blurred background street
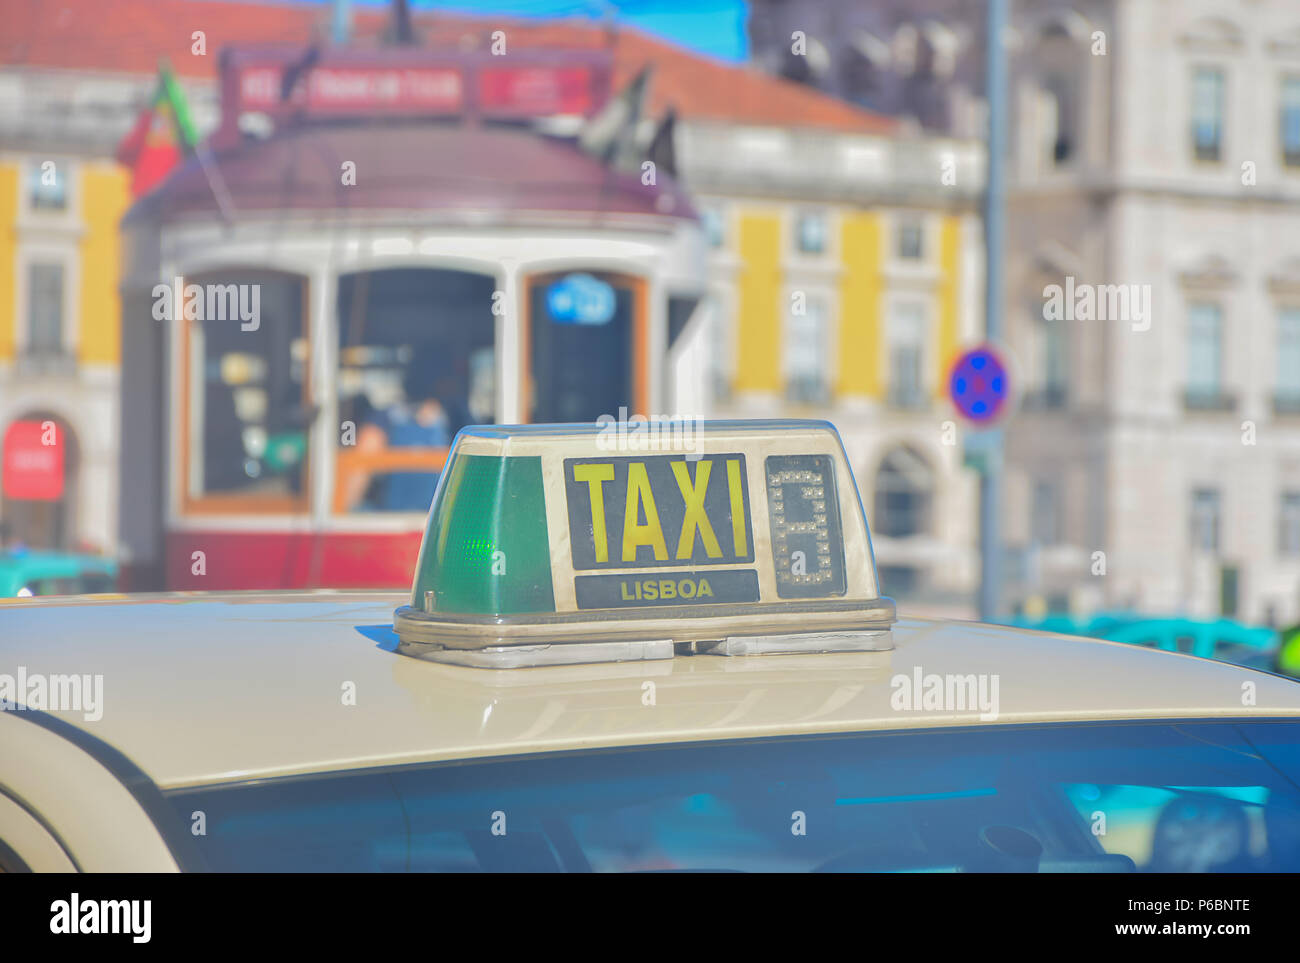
260,261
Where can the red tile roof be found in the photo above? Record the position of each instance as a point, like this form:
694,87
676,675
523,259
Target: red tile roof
132,36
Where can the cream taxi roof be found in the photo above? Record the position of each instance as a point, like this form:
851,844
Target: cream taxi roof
225,687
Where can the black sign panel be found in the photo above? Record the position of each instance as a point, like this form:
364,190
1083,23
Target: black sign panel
658,510
666,588
807,542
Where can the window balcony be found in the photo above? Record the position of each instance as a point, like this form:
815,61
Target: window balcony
1207,152
807,389
1047,398
908,398
1286,403
1209,399
45,361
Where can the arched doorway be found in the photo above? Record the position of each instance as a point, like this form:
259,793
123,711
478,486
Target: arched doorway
38,500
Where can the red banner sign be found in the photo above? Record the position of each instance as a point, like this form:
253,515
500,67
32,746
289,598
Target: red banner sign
411,83
33,461
538,90
344,90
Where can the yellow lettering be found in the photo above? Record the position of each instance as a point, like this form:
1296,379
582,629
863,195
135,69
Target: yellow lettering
634,533
595,476
682,589
651,591
704,589
667,590
693,496
623,589
737,509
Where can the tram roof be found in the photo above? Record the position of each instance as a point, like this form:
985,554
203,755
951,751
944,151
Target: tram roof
449,168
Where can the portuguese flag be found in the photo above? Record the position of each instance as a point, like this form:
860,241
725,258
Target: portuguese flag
162,134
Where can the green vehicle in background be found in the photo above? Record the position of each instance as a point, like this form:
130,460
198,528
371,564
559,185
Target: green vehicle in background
1255,647
1288,652
26,573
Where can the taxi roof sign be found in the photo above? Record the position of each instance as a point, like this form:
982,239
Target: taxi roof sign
550,544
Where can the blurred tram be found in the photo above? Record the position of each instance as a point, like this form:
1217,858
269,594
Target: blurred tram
370,236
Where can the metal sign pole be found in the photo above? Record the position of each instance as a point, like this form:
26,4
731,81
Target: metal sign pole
991,476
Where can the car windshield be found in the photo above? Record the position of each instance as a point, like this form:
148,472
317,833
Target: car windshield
1148,797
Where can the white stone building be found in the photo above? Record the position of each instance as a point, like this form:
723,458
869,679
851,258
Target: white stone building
1151,142
1157,143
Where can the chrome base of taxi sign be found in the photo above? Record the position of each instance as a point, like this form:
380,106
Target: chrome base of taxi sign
551,544
570,641
877,641
582,653
525,656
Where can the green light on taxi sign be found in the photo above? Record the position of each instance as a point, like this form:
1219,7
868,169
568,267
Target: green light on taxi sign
486,549
551,543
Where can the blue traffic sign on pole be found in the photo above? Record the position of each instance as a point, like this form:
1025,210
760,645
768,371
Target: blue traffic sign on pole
995,95
980,386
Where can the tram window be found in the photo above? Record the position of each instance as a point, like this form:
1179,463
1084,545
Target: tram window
417,363
582,369
248,367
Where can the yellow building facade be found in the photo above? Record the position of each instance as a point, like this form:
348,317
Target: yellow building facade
862,282
856,312
60,318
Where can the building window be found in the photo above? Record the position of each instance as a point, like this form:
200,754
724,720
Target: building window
903,495
1205,520
1045,514
714,226
864,69
910,240
1290,122
907,355
1204,352
1288,524
45,309
811,232
1059,126
47,186
1055,362
1287,395
806,351
1207,113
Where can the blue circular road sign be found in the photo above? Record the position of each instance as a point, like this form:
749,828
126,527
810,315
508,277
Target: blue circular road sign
980,385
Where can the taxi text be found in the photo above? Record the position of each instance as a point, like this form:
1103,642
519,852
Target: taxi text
658,510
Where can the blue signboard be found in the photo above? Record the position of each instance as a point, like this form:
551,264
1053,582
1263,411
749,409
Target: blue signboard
580,299
980,386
